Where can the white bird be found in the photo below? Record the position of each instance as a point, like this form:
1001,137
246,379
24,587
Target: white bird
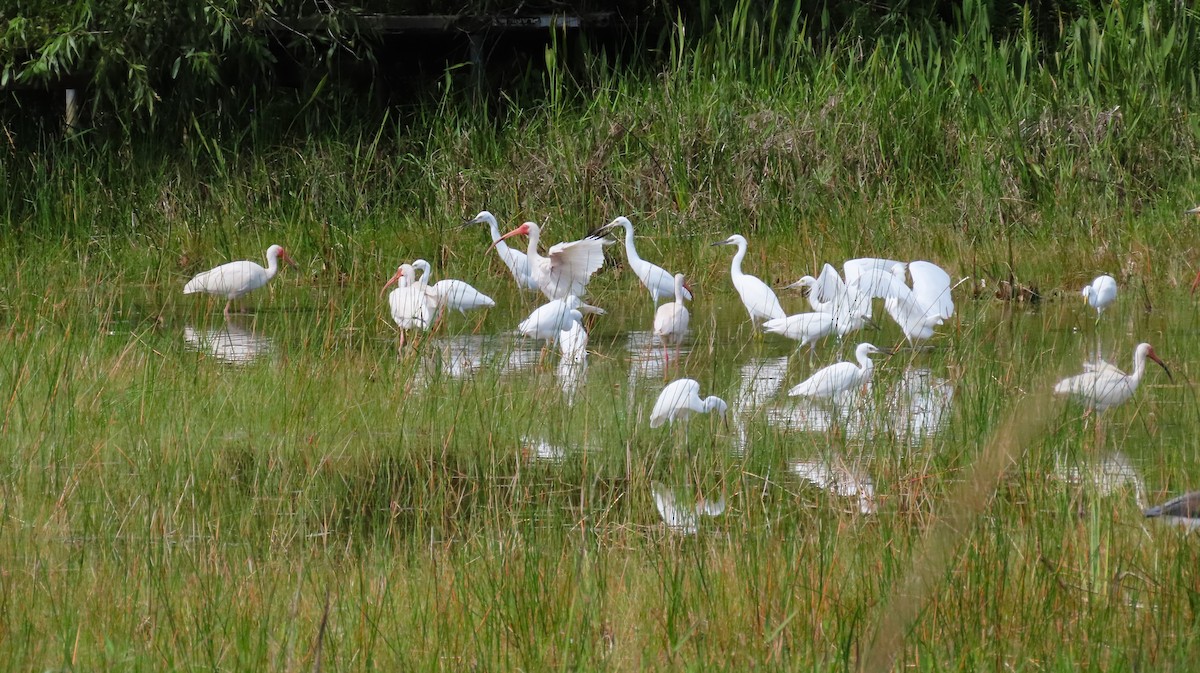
1102,385
803,327
455,295
1183,511
572,342
1100,294
671,319
917,310
837,379
412,304
684,520
235,279
547,321
516,261
569,266
656,279
680,399
761,303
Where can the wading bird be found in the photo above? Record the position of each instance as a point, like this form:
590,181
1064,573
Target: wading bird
1100,294
235,279
656,279
837,379
803,327
680,399
516,261
671,319
412,304
761,303
567,268
1102,385
1183,511
550,319
917,309
455,295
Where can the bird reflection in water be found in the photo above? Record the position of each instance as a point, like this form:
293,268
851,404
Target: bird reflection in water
682,515
840,480
233,343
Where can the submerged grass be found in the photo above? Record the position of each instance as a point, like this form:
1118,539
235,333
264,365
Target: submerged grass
332,504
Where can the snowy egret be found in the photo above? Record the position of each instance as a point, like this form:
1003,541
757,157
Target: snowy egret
568,266
837,379
680,399
1183,511
547,321
682,519
761,303
1102,385
235,279
455,295
1100,294
803,327
656,279
671,319
516,261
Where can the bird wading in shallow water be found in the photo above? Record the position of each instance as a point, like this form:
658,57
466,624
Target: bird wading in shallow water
1183,511
566,269
235,279
680,399
1102,386
656,279
516,261
760,301
671,319
1100,294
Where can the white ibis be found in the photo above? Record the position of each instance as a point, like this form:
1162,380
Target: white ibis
657,280
761,303
1102,385
568,266
1100,294
455,295
516,261
680,399
837,379
235,279
671,319
412,304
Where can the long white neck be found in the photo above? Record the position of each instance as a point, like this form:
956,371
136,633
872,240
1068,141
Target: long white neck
535,235
423,267
500,244
630,251
679,291
735,267
865,363
1139,367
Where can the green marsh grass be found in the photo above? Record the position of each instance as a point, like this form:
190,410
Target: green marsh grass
334,504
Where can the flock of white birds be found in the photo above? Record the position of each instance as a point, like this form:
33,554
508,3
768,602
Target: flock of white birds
841,304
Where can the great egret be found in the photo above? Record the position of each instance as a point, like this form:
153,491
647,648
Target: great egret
671,319
235,279
680,399
803,327
547,321
837,379
919,309
567,268
761,303
516,261
1100,294
455,295
1183,511
1102,385
656,279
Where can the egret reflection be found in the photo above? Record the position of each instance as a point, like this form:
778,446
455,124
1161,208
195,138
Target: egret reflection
840,480
461,356
682,515
232,343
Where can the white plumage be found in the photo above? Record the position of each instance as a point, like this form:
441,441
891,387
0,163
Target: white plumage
837,379
547,321
656,279
1102,385
235,279
455,295
671,319
1100,294
516,261
683,519
680,399
412,304
803,327
760,301
568,266
919,309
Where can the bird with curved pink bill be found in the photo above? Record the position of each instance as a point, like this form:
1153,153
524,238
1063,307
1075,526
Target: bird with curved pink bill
1182,511
1102,386
566,268
516,261
235,279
